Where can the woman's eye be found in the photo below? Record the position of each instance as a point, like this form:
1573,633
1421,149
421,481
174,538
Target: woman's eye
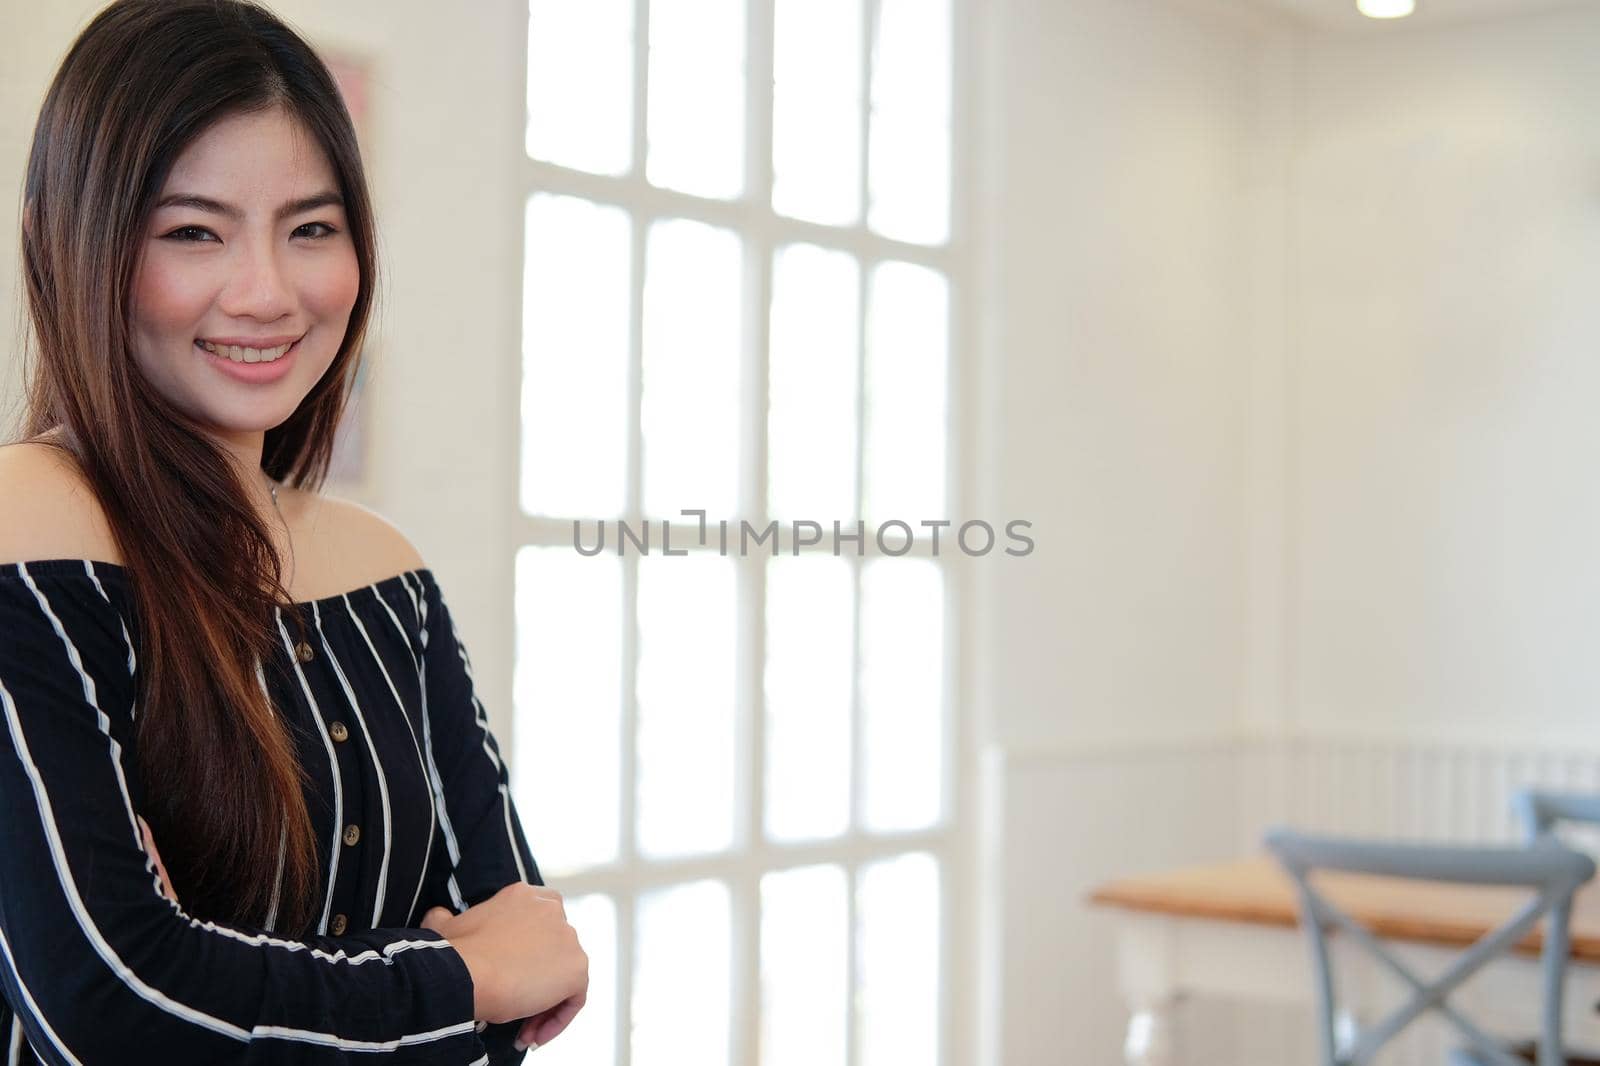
192,233
327,230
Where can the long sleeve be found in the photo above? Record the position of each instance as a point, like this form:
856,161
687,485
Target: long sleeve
97,963
484,843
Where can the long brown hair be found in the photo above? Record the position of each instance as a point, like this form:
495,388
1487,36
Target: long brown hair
142,81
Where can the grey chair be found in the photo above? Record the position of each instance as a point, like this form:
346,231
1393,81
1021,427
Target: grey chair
1553,871
1541,811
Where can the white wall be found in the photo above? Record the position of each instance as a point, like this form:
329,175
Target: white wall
1445,505
1117,294
35,39
1124,197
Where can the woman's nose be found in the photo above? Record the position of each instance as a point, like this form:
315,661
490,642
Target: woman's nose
258,287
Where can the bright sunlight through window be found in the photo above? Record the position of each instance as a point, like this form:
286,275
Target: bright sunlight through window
734,758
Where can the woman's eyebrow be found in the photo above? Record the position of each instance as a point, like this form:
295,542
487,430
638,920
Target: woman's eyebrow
217,207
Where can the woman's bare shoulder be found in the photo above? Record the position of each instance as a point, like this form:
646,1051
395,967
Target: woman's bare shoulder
347,544
48,509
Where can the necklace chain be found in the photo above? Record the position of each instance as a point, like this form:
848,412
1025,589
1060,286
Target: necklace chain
273,487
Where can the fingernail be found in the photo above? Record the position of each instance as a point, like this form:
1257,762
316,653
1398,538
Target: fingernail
521,1044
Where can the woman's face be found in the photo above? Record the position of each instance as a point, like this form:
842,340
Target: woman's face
248,251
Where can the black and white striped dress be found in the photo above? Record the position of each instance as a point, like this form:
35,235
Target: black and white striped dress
409,798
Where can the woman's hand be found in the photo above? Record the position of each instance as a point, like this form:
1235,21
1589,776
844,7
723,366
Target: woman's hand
150,846
543,1027
524,958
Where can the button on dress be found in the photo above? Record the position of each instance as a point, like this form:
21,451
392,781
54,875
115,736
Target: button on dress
409,798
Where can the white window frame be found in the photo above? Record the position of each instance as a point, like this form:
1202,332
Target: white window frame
954,843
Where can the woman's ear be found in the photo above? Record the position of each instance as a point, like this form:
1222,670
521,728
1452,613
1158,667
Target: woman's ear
27,219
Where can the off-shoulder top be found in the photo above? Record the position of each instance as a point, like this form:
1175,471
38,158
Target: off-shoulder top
409,796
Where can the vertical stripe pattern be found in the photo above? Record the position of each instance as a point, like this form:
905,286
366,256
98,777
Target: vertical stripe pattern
398,750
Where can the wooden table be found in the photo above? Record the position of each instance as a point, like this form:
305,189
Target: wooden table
1232,930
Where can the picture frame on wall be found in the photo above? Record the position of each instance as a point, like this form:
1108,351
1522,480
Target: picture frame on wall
349,469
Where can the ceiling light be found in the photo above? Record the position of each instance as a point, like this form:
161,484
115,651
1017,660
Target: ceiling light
1386,9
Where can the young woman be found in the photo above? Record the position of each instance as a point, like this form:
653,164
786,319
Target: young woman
196,647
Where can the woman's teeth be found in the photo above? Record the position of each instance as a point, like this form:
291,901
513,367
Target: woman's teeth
245,355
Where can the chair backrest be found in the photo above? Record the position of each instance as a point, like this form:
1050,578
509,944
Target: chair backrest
1550,870
1539,811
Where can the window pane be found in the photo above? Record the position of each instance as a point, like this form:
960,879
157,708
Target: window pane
902,692
680,979
898,958
568,702
697,92
816,110
907,419
909,179
807,684
575,358
686,703
811,450
690,402
805,967
580,83
591,1036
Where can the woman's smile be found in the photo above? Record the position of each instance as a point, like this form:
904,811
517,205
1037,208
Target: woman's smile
258,366
264,350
